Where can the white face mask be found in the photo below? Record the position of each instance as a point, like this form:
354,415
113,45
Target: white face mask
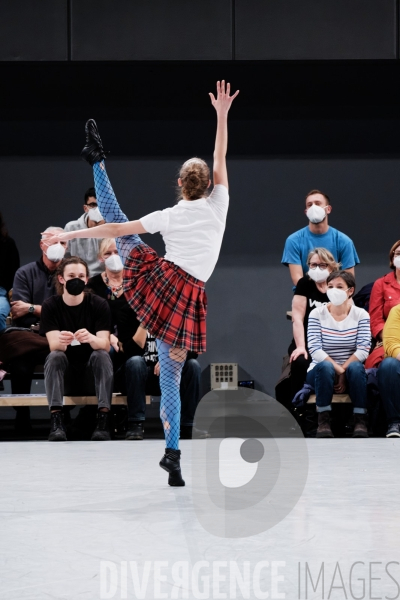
336,296
56,252
114,263
396,262
95,214
316,214
318,275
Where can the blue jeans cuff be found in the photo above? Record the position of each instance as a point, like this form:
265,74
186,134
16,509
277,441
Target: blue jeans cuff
324,408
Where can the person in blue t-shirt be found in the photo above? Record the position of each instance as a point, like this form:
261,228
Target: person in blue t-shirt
317,234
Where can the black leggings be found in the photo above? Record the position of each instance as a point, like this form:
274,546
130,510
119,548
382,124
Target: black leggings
298,370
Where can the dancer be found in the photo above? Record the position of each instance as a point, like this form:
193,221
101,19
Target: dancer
168,293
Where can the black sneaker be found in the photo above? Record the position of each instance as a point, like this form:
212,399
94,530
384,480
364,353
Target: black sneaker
188,432
102,430
393,431
93,151
57,427
135,431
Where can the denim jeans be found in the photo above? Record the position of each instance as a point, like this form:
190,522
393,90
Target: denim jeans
4,308
389,388
135,379
322,378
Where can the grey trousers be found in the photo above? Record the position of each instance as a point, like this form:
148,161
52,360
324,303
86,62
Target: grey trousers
94,378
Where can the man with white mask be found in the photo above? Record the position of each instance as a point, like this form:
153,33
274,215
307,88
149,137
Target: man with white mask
87,248
318,234
33,284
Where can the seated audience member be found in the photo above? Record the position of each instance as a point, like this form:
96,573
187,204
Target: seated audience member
87,248
310,292
318,234
77,325
389,372
108,285
385,295
33,284
339,339
9,263
135,357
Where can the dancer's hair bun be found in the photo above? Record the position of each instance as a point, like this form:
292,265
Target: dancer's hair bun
195,176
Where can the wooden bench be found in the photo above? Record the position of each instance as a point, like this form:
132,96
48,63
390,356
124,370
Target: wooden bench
336,398
41,400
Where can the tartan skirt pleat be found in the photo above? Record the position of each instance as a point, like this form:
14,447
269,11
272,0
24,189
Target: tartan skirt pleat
169,302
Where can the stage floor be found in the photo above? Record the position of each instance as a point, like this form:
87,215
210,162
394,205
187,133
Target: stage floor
86,520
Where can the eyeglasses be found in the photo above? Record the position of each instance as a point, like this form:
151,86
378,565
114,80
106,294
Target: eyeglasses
321,266
92,204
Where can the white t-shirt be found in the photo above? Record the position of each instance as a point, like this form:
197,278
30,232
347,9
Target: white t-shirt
192,231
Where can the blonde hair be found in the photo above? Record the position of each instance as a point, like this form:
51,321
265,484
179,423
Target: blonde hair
325,256
104,246
195,176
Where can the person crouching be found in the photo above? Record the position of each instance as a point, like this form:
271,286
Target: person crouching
77,325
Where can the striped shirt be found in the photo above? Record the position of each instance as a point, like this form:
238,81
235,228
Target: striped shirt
338,339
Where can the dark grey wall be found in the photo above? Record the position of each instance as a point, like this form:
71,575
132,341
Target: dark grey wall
80,30
249,291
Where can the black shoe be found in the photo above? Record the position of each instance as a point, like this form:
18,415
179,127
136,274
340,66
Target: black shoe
360,425
189,432
102,431
171,463
57,427
135,431
93,151
393,431
324,425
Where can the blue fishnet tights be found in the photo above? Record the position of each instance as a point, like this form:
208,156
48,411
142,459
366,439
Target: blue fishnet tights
111,210
170,380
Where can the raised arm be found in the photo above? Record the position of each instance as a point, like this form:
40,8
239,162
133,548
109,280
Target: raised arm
112,230
222,104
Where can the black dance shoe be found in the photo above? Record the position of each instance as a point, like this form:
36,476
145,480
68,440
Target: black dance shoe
170,462
93,150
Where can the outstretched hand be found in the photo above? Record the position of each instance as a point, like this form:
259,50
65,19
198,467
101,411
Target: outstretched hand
50,238
223,101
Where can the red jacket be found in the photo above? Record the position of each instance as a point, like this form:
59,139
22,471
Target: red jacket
384,295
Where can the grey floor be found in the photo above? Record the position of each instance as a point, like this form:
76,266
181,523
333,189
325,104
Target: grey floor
65,508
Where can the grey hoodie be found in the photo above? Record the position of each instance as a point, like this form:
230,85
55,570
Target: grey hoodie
85,248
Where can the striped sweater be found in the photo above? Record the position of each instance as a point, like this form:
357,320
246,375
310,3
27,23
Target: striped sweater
338,339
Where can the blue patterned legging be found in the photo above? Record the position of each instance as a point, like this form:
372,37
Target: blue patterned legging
171,359
111,210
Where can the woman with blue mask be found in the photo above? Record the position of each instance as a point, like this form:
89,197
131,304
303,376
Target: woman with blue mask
339,340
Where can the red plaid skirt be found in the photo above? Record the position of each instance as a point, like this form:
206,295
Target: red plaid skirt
169,302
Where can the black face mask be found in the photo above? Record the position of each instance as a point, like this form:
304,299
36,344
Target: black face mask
75,286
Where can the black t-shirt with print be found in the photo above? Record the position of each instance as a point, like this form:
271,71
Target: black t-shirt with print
308,288
98,287
92,314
